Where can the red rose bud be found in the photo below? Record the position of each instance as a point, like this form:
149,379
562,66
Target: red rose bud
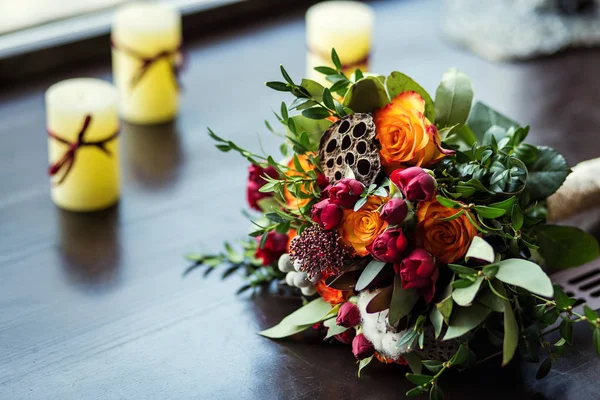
327,214
346,337
394,211
389,246
346,192
361,347
418,270
274,247
348,315
322,181
255,182
415,183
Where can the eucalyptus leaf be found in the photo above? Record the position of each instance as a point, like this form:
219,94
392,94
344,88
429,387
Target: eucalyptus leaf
511,334
369,273
453,98
565,246
311,313
397,83
490,300
547,173
414,362
437,320
465,296
333,328
403,300
481,250
281,331
525,274
363,363
465,319
366,95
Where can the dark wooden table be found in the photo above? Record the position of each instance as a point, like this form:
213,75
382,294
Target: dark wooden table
94,306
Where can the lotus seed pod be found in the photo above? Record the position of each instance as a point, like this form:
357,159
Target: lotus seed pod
308,290
301,280
315,278
285,264
351,143
289,278
297,265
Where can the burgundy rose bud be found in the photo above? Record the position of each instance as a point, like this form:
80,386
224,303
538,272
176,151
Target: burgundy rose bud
348,315
389,246
255,182
274,247
361,347
415,183
346,337
322,181
327,214
394,211
418,270
346,192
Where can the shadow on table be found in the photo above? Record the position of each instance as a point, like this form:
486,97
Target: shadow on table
152,153
89,247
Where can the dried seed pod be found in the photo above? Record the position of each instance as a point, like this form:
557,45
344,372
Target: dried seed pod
351,143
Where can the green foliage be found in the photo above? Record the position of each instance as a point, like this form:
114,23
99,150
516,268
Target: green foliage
397,83
369,273
403,300
547,173
525,274
482,118
565,246
366,95
464,319
453,99
313,312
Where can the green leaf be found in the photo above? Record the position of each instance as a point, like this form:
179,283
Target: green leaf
516,217
311,313
315,89
561,298
436,393
461,269
336,60
596,339
453,98
565,246
433,365
481,250
506,205
361,202
461,356
445,306
489,212
437,320
402,302
590,314
490,300
333,328
525,274
481,118
446,202
414,362
368,274
313,128
566,330
363,363
544,368
464,319
419,379
326,70
366,95
547,173
414,392
511,334
465,296
328,99
281,331
284,111
397,83
279,86
462,283
316,113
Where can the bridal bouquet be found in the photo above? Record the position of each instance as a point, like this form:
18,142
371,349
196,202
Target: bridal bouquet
414,228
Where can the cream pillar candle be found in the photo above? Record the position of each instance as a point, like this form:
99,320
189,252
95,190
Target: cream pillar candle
83,145
146,40
343,25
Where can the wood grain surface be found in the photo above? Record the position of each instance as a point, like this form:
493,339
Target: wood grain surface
94,306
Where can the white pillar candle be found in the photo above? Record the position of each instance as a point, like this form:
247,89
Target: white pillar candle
146,41
344,25
83,144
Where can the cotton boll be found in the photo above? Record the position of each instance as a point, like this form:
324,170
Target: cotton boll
289,278
285,264
389,344
301,280
308,290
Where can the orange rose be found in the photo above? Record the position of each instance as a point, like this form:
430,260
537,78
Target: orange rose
359,229
292,201
329,294
448,241
407,138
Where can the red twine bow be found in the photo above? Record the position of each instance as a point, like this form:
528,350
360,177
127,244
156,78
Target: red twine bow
68,159
148,61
